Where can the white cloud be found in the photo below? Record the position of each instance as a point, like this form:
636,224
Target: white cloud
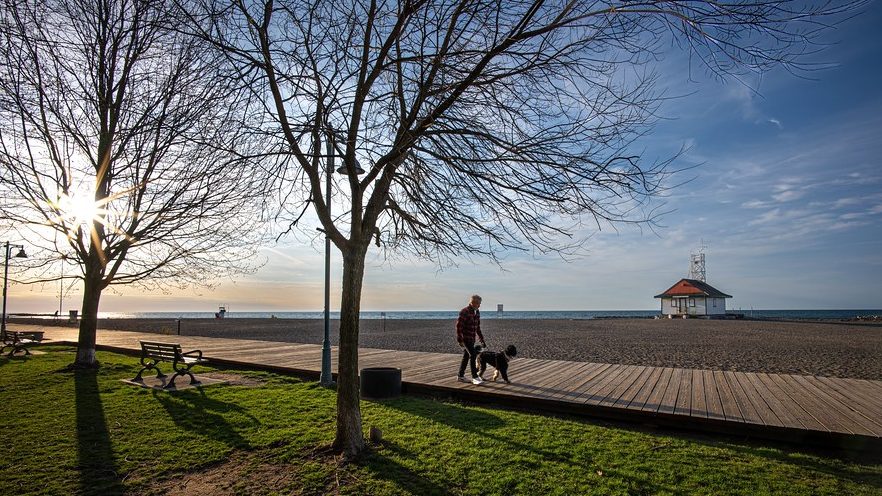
788,195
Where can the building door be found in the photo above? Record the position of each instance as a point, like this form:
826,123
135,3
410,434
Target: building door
682,305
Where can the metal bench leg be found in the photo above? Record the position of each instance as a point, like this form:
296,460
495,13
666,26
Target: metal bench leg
159,374
171,383
193,381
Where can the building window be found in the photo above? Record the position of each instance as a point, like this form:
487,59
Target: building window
691,302
715,303
674,303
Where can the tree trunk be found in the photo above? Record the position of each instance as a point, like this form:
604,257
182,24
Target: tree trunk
350,439
89,321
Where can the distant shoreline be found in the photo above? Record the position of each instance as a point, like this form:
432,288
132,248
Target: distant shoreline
489,314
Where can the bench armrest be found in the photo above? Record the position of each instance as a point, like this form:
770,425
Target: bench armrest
192,354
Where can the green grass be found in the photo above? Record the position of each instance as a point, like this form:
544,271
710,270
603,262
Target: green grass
88,433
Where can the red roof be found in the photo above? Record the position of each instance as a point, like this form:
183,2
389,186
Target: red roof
692,287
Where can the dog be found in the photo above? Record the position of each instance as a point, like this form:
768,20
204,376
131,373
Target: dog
498,360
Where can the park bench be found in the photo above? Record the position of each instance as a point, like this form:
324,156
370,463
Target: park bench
19,340
153,353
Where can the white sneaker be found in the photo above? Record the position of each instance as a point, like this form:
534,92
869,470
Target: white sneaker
477,380
461,379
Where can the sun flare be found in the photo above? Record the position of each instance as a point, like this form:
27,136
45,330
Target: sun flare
78,210
81,210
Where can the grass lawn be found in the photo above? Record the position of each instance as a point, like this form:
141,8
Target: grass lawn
89,433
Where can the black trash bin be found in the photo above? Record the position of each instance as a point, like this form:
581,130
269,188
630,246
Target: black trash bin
380,382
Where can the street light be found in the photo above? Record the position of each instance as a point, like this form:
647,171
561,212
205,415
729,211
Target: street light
326,378
21,254
61,287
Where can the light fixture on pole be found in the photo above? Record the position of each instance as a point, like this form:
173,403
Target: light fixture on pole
326,378
21,254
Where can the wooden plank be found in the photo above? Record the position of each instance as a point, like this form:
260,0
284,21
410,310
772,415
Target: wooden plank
745,405
426,374
646,380
821,407
597,390
790,409
541,384
625,377
649,385
614,395
568,379
536,373
684,397
712,396
860,397
588,377
434,369
668,402
621,386
816,415
756,397
530,384
699,404
654,399
731,410
842,403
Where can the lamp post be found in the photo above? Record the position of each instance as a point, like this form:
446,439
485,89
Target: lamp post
21,254
326,378
61,287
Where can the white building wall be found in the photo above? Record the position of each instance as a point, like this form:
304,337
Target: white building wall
719,309
703,306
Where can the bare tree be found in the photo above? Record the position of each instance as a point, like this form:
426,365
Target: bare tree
117,147
484,126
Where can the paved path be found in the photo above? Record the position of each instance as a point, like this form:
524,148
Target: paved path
841,412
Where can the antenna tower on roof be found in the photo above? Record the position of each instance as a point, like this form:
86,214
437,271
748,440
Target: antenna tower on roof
697,269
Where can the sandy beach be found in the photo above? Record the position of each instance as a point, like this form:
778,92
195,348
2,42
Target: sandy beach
832,349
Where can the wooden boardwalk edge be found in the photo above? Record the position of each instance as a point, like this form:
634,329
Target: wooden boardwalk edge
650,418
653,420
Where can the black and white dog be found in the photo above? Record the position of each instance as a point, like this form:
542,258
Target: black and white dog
498,360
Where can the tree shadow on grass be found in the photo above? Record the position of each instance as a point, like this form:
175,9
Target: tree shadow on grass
197,412
97,466
852,466
384,467
477,424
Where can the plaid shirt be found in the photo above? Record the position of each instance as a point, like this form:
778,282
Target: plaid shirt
468,325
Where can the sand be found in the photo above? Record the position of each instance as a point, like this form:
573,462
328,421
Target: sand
831,349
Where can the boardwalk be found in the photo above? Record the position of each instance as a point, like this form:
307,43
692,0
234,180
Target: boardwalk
842,412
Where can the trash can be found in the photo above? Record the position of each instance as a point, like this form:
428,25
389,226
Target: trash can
380,382
73,315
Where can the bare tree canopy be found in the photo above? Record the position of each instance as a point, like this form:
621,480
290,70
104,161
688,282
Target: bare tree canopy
117,148
483,125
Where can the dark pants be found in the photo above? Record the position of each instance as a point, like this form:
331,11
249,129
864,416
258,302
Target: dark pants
468,356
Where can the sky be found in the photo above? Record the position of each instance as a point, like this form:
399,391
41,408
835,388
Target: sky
786,198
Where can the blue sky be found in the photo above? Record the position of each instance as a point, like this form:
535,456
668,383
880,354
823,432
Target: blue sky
787,197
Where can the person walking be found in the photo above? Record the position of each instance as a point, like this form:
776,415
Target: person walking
468,328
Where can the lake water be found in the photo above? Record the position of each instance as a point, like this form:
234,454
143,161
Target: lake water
491,314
